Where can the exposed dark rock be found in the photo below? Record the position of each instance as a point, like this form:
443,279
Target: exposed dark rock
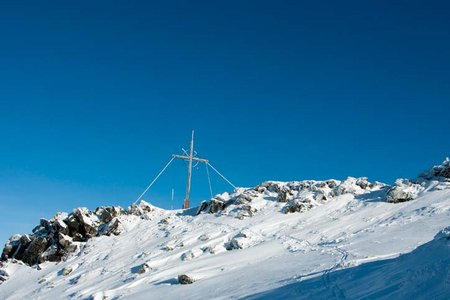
73,224
106,214
213,206
185,279
61,227
404,190
87,220
438,172
34,250
363,182
297,205
145,267
284,194
141,209
11,246
112,227
53,239
246,211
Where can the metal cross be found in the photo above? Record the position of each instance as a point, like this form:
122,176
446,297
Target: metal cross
190,158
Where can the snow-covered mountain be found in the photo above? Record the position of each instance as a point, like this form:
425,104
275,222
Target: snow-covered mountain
329,239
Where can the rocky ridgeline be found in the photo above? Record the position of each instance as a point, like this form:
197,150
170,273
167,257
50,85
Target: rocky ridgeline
54,239
437,178
299,196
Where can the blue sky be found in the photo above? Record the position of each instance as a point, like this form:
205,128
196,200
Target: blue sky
96,95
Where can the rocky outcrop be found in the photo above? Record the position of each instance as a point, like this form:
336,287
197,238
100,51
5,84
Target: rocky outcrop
438,172
436,178
403,190
53,239
299,196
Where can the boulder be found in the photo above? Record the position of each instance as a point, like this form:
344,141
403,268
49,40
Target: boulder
52,253
74,225
297,205
11,246
145,267
212,206
61,227
87,220
246,211
403,190
284,194
362,182
113,227
439,172
141,209
106,214
185,279
34,250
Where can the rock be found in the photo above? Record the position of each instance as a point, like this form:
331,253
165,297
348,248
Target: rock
61,227
297,205
64,240
51,254
46,225
191,254
284,194
113,227
11,246
141,209
404,190
164,221
67,270
239,241
203,237
74,225
185,279
25,240
168,248
332,183
246,197
362,182
87,220
77,237
145,267
441,171
34,250
214,205
107,214
246,211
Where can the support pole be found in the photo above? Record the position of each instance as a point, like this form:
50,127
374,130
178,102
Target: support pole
187,201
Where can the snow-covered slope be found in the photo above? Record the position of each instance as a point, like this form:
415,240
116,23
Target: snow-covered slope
303,240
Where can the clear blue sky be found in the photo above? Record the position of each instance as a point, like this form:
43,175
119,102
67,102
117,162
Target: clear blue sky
96,95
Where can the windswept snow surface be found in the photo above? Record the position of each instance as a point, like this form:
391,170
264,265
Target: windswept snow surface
353,246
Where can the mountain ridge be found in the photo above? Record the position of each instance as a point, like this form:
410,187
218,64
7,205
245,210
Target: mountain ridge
268,222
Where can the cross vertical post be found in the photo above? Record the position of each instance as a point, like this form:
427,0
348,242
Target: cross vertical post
190,157
187,200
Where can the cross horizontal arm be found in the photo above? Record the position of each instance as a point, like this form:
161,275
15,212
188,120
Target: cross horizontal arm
193,158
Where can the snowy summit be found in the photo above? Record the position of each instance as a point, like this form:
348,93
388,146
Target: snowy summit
332,239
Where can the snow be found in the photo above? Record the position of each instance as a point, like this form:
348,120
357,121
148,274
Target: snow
352,246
